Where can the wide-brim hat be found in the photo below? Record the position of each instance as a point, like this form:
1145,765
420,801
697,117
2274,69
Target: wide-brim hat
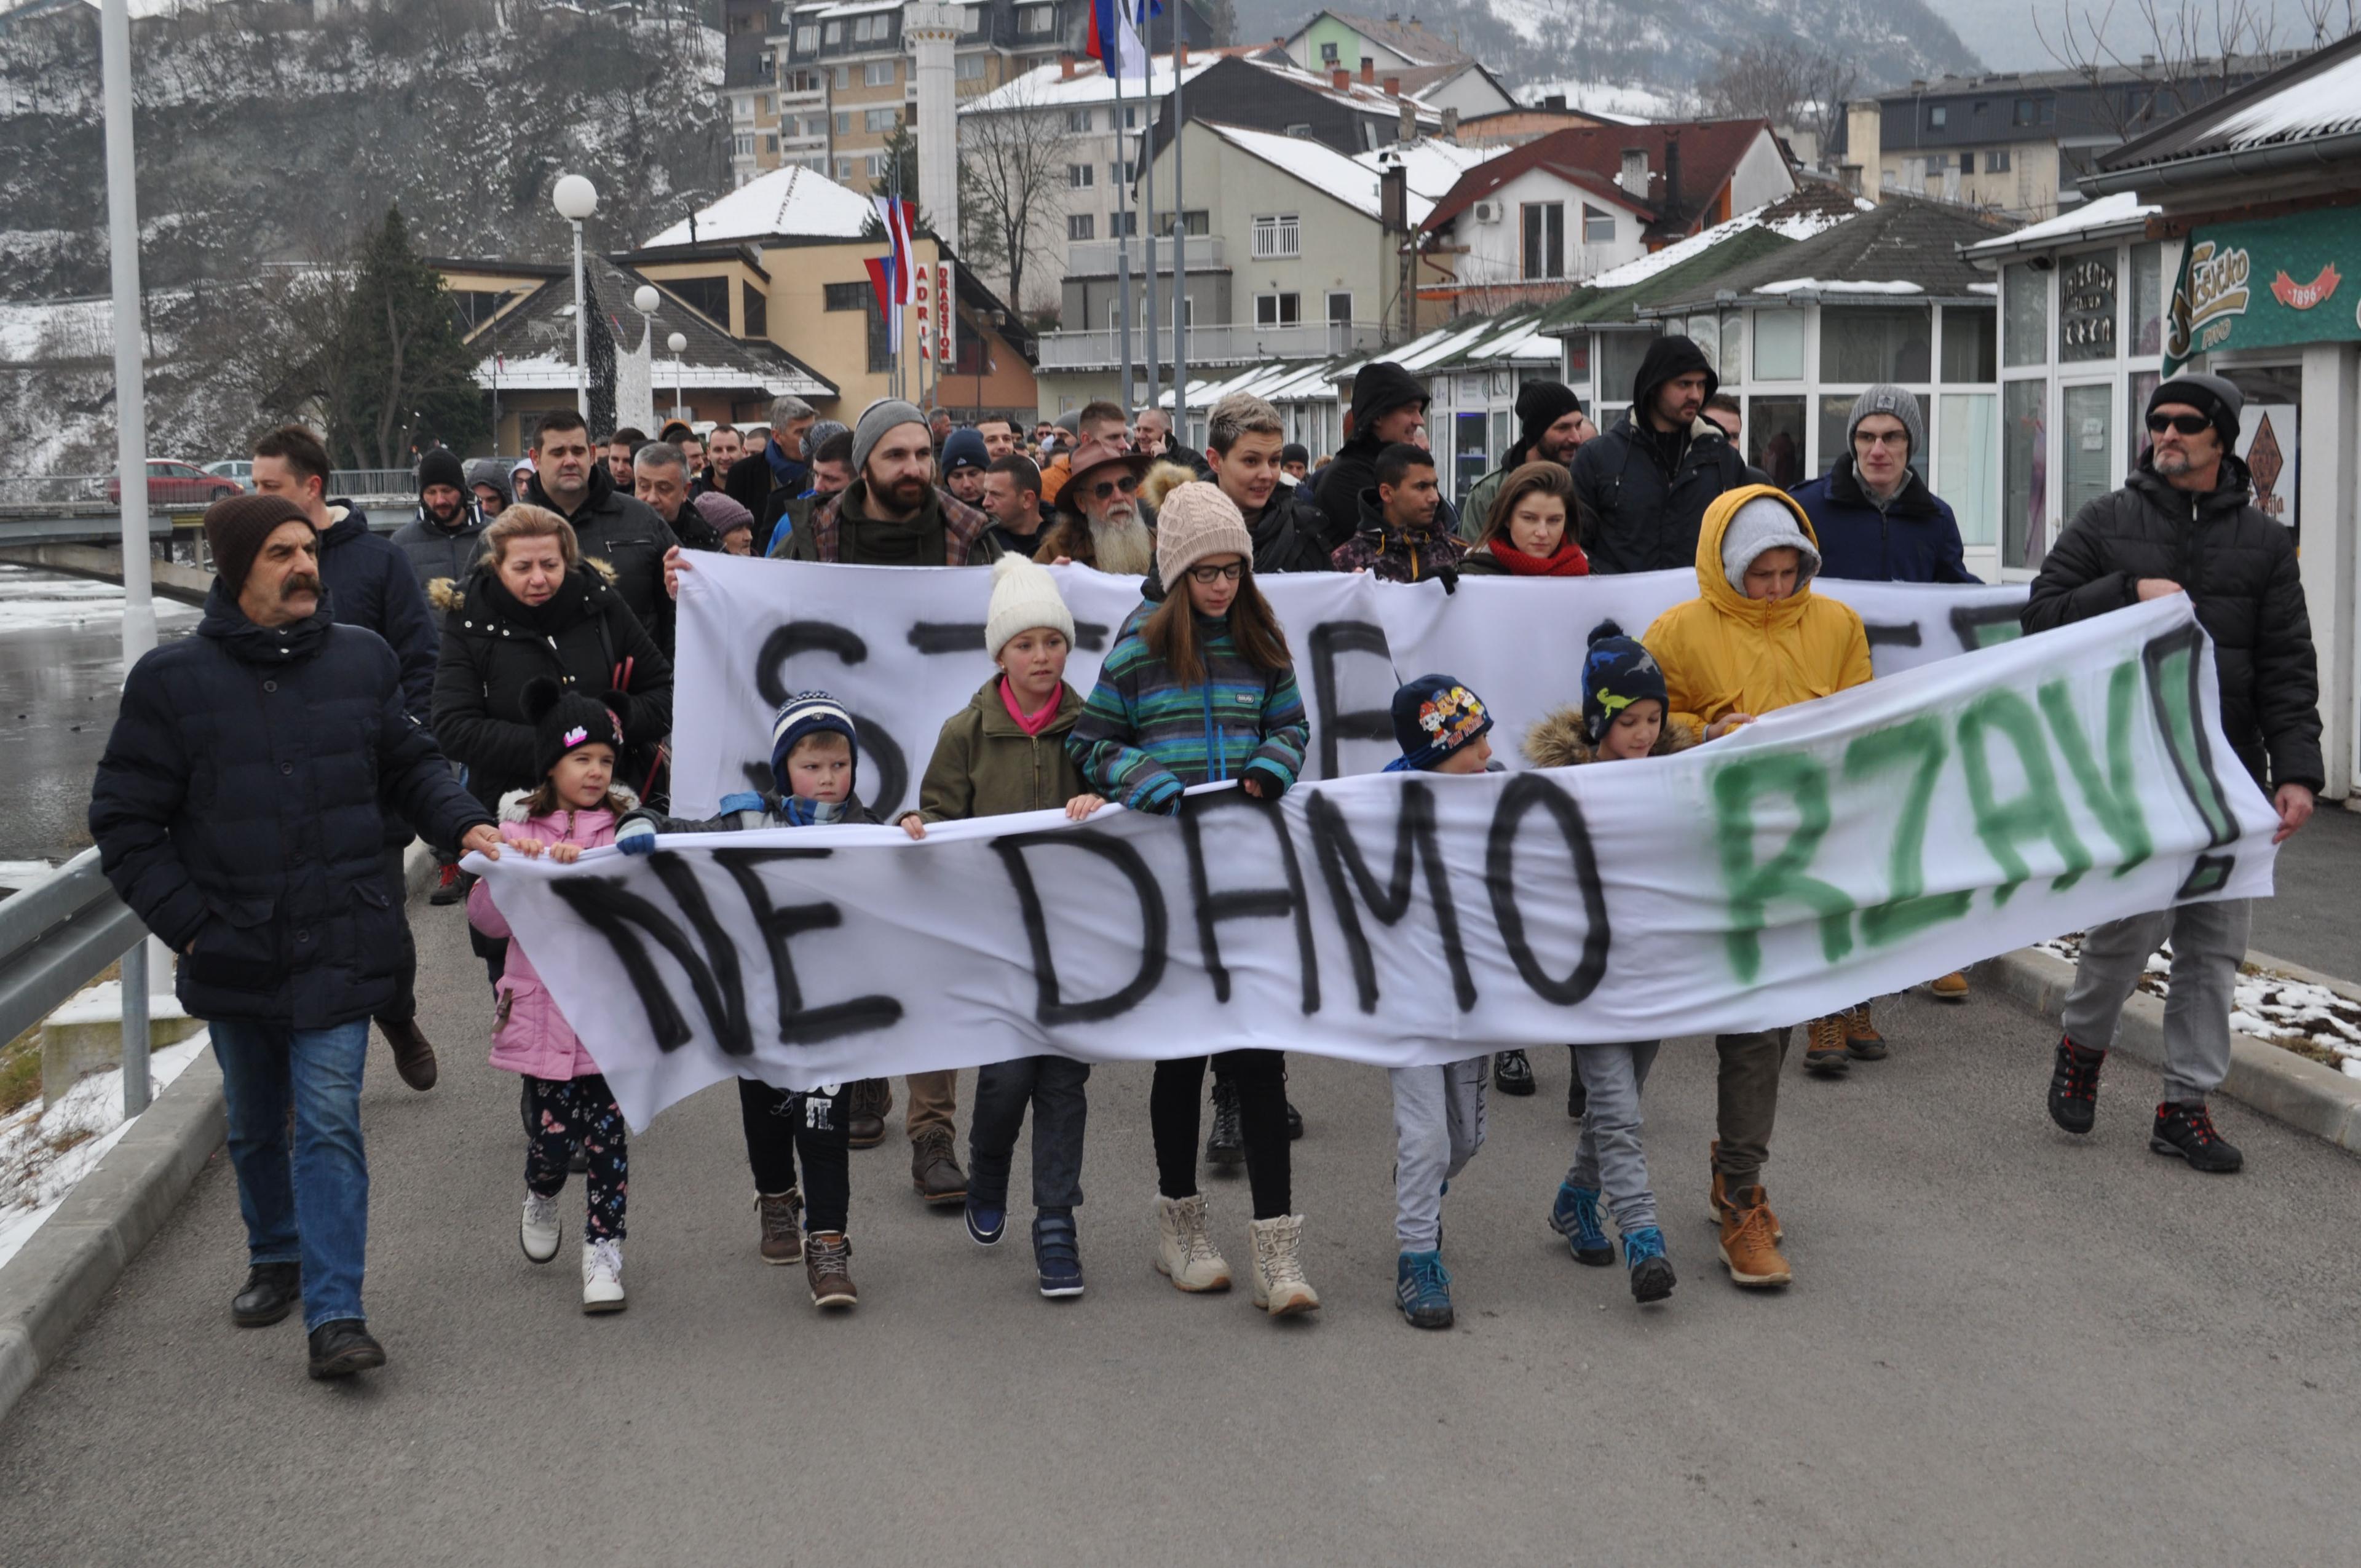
1093,455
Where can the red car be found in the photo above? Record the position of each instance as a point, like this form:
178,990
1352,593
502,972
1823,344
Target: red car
172,483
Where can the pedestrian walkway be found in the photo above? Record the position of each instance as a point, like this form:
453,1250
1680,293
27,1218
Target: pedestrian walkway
2004,1345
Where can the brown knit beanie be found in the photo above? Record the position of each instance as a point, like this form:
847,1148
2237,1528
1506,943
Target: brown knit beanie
236,527
1197,520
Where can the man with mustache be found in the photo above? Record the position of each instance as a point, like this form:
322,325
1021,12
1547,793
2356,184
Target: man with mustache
1101,521
1646,483
241,810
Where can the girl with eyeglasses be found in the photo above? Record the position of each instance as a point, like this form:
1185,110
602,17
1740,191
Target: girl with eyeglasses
1203,690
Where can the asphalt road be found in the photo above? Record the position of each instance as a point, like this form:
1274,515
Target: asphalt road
2315,921
2004,1345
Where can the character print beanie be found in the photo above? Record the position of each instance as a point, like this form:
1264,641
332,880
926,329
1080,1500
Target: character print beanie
1433,717
1617,671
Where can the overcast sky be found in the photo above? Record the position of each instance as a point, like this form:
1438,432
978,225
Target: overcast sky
2004,32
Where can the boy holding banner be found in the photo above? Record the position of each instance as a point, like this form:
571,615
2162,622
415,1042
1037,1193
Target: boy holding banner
1756,638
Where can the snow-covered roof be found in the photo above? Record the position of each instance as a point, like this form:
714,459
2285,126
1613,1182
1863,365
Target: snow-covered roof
1322,167
2313,98
1787,225
2124,207
2325,103
1048,86
1431,165
793,201
1828,286
1626,102
847,8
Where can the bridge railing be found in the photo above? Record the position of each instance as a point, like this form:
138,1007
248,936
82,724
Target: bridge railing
55,937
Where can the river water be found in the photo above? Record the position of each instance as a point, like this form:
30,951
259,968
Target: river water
60,673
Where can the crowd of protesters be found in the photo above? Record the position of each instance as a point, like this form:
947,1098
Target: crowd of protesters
497,677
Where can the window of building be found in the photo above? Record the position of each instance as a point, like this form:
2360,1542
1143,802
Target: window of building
1082,225
1340,304
2087,443
806,37
1967,163
1938,115
1938,162
1969,346
845,296
842,75
1779,347
803,82
1122,172
1077,121
874,164
970,67
770,144
708,297
1328,54
1996,162
971,22
831,33
2024,312
1131,116
2025,113
844,122
763,103
2147,299
1545,239
881,340
873,28
885,119
1860,344
1197,222
1275,234
743,145
1967,437
1775,433
1080,176
1598,226
1278,310
1620,354
815,125
1300,130
1036,21
877,72
756,306
844,171
2024,436
1124,225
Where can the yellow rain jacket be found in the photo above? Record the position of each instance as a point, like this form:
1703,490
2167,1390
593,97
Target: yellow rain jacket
1723,653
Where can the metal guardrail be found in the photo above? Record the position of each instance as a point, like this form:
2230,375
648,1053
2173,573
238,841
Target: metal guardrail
90,490
57,934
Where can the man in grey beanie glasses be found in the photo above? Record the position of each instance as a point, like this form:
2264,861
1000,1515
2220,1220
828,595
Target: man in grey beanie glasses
2185,522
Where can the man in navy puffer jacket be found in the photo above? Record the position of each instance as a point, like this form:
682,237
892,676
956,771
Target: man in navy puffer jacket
237,811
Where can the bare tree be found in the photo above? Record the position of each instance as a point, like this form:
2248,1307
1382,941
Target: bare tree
1782,81
2187,52
1012,174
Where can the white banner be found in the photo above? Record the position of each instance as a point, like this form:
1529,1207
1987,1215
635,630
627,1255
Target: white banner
903,649
1837,850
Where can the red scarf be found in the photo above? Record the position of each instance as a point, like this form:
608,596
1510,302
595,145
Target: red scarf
1032,723
1569,561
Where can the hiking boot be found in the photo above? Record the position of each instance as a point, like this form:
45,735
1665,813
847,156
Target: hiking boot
1185,1253
1278,1286
2187,1130
413,1058
934,1171
1423,1286
866,1100
1952,987
1057,1255
1863,1042
782,1214
1748,1246
827,1259
602,1275
1651,1270
450,887
1511,1073
539,1229
343,1348
270,1292
1720,1200
1225,1144
986,1222
1823,1048
2074,1086
1574,1216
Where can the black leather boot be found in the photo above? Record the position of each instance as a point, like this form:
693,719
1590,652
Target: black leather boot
271,1293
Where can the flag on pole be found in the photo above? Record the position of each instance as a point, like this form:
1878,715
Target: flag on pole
888,287
1115,39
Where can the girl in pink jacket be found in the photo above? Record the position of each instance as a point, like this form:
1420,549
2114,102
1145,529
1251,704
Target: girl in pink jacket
577,740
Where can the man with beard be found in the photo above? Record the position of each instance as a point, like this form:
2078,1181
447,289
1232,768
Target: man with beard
1389,407
1100,520
691,447
1552,428
1098,420
491,485
609,524
440,540
1648,481
369,583
620,447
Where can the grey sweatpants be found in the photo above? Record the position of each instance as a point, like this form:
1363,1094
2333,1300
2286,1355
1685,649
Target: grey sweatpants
2209,942
1438,1127
1607,1156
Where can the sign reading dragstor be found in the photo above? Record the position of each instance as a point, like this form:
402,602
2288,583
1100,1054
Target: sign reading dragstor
1843,848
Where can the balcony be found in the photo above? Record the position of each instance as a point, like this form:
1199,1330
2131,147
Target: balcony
1101,257
1235,342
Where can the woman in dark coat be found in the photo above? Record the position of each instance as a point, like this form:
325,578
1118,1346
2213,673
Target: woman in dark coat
533,606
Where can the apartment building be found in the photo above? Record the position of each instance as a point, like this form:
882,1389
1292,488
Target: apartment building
749,87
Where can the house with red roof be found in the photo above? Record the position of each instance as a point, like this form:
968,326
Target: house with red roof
1553,212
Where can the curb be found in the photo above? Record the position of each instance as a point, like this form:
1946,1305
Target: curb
62,1273
2303,1093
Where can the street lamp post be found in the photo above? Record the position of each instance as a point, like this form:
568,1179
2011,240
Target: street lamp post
645,300
576,199
678,343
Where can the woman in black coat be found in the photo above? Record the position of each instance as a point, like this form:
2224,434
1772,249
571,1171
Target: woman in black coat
535,608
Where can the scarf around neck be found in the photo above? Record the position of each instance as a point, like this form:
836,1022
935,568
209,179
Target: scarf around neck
1569,561
1031,723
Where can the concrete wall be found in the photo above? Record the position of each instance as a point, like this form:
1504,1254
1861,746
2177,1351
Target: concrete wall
1495,251
1761,176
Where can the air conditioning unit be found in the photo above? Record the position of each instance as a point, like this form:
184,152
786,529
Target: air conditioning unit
1487,212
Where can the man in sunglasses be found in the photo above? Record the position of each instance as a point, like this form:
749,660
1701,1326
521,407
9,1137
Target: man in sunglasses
2184,522
1101,521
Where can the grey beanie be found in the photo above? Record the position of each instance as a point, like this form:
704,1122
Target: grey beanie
875,421
2216,399
1766,522
1885,398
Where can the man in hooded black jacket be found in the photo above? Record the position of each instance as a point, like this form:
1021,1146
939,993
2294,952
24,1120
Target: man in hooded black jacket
1388,405
1647,482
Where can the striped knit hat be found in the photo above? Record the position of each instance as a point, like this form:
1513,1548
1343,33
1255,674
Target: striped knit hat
808,713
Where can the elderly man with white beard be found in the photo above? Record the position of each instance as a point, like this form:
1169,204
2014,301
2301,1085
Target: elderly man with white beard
1101,521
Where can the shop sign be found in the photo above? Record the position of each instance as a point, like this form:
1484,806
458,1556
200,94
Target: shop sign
2257,285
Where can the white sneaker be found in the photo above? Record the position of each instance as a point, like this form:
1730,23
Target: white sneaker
1279,1287
1185,1253
539,1231
602,1276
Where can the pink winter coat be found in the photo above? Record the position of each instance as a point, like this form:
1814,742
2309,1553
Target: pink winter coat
529,1034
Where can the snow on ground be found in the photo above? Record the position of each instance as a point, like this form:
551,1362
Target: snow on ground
2302,1017
1624,101
42,1156
37,601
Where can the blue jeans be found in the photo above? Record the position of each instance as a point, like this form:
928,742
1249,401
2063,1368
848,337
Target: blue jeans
311,1208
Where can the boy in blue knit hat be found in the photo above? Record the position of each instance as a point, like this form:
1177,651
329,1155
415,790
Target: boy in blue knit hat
814,759
1442,728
